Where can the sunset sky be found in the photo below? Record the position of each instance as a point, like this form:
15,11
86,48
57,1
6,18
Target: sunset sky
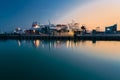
92,13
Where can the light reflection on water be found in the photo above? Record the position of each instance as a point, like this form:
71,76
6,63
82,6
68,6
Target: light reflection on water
52,43
61,59
104,49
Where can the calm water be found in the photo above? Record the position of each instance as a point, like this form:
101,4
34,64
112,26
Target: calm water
59,60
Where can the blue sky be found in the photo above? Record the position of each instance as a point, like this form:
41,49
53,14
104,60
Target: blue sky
21,13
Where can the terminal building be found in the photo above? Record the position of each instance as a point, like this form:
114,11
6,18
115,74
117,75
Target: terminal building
111,29
35,29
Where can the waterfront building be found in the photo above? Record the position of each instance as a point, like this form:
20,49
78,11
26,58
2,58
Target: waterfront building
35,25
52,27
35,29
18,31
97,32
62,28
111,29
74,26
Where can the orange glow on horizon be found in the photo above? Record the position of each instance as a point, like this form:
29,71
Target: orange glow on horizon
100,13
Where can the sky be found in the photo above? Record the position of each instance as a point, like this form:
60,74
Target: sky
92,13
97,13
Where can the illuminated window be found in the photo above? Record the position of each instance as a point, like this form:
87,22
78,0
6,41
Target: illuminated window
108,29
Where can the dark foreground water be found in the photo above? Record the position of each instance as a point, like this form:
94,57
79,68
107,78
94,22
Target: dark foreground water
59,60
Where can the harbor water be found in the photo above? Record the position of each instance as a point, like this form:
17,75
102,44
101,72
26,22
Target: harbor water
59,60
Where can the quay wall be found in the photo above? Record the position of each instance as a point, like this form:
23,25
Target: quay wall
35,37
77,37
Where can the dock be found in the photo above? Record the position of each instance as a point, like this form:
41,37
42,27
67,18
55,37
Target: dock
63,37
9,36
99,37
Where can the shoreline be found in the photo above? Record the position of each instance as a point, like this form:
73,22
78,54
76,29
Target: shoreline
110,37
8,36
